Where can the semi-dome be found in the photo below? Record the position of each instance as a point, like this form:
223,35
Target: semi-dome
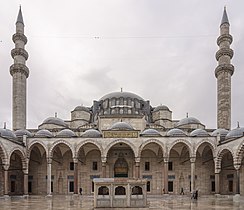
121,126
150,132
6,133
44,133
81,108
235,133
22,132
91,133
199,133
121,95
55,121
187,121
220,131
176,132
66,133
161,107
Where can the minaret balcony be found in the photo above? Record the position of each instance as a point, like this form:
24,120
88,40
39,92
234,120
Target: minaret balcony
19,51
224,37
17,67
19,36
224,67
224,51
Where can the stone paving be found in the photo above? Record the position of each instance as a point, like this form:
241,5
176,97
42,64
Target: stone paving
86,203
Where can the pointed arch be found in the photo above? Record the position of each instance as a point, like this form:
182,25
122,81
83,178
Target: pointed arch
125,141
220,155
56,143
148,141
33,144
88,141
209,143
239,153
22,157
3,154
183,141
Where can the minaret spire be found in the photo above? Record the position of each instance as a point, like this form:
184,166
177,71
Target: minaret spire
19,73
20,16
223,73
225,17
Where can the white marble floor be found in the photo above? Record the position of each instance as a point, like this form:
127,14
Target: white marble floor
86,203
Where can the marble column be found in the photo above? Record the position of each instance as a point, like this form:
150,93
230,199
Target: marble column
104,163
26,181
49,176
137,168
238,181
6,180
217,189
192,159
75,175
166,168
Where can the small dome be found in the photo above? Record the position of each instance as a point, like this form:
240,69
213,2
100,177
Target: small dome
220,131
55,121
150,132
188,120
6,133
66,133
121,95
161,107
20,133
44,133
121,126
176,132
199,133
81,108
235,133
91,133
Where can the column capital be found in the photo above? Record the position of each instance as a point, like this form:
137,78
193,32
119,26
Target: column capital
6,167
192,159
75,160
237,166
49,160
166,159
104,159
137,159
25,171
217,170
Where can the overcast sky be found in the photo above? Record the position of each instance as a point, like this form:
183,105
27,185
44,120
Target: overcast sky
162,50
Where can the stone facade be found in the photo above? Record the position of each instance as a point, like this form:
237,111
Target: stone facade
121,136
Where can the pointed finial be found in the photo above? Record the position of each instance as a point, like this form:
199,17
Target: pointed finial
4,125
187,114
56,115
225,17
20,17
238,125
121,90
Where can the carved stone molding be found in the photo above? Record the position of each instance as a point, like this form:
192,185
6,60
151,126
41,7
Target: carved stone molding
19,68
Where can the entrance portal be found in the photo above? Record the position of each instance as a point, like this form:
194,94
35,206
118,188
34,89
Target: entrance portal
121,168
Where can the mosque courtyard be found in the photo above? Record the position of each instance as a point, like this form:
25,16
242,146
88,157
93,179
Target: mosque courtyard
154,202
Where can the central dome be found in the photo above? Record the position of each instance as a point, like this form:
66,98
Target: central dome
121,95
122,103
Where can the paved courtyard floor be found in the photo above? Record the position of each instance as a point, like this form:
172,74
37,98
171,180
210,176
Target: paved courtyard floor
86,203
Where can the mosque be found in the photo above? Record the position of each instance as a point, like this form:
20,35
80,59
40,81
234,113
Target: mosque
121,136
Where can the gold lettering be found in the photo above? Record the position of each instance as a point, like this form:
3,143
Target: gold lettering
120,134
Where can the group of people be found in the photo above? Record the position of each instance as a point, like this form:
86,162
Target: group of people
194,194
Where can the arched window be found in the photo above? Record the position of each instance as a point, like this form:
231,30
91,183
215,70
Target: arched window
120,190
136,190
103,190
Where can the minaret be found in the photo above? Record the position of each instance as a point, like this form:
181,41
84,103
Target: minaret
20,73
223,73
